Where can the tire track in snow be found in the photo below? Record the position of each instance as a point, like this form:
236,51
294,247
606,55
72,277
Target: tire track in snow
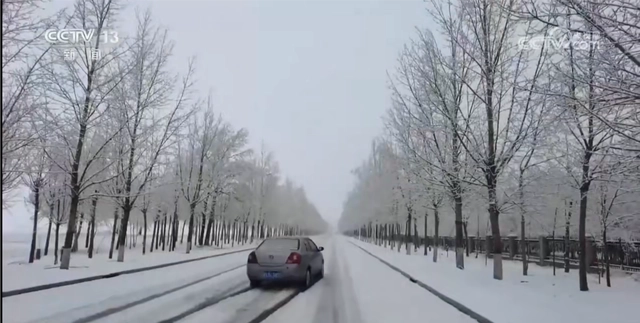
68,316
348,305
149,298
327,309
209,302
251,306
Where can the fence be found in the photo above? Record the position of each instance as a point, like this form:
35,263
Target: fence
621,254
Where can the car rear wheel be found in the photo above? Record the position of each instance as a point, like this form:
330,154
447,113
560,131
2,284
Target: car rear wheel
254,283
306,283
321,274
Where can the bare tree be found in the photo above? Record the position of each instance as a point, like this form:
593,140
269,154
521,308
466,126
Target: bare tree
35,180
23,49
202,135
499,66
429,120
615,26
79,89
143,93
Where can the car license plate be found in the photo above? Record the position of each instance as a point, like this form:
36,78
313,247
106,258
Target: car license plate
271,274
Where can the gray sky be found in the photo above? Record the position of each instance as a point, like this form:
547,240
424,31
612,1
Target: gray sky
306,77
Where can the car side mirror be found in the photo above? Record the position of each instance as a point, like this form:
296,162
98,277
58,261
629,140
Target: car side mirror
320,248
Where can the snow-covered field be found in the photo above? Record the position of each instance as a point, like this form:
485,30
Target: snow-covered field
18,273
539,297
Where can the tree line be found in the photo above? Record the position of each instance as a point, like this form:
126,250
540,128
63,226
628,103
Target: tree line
526,109
108,135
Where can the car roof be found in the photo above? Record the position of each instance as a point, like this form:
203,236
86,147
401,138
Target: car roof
288,237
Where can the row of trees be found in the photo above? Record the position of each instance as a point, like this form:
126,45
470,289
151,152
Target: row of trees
118,139
527,109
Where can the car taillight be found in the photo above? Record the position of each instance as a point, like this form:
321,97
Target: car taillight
294,258
252,258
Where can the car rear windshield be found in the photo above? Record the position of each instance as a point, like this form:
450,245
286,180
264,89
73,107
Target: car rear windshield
280,244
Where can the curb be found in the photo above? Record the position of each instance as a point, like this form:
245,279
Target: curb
38,288
433,291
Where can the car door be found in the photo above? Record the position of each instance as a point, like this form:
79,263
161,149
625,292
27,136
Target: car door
317,256
308,255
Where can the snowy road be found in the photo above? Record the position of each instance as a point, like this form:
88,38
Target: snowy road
357,288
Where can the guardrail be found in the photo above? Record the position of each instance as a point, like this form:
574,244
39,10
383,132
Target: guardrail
621,254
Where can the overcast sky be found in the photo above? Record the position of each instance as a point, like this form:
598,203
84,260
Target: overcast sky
306,77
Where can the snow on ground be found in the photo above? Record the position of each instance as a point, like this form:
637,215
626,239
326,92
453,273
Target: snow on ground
242,308
386,296
66,304
358,288
539,297
176,303
331,299
18,273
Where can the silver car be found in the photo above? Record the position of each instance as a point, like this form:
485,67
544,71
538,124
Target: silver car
286,260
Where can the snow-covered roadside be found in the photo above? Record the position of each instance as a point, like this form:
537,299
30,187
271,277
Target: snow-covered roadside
539,297
180,286
386,296
20,274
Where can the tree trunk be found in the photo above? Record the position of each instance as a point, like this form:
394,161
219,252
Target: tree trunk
246,232
153,234
92,225
46,243
466,237
399,236
567,239
523,246
36,210
164,230
192,211
253,231
122,236
553,251
393,236
416,239
494,214
207,237
184,223
478,234
132,235
74,179
408,232
426,233
607,262
113,232
232,232
436,233
144,231
582,233
86,239
203,217
172,233
74,247
55,244
459,226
